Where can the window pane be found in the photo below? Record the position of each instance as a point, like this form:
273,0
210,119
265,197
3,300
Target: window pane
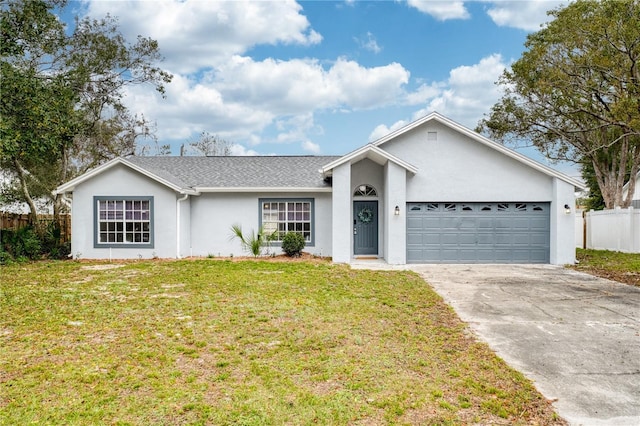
124,221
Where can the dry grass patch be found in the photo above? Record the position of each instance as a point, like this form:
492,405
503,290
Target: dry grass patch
252,343
613,265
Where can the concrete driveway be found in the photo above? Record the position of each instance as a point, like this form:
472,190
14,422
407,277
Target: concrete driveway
576,336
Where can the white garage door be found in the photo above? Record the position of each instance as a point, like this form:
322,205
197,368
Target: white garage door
478,232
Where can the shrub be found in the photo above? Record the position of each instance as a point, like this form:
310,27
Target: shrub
23,242
292,244
252,243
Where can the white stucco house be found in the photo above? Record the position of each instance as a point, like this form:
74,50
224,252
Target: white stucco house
430,192
635,198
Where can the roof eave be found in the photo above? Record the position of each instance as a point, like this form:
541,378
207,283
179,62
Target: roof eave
484,140
205,189
71,185
364,152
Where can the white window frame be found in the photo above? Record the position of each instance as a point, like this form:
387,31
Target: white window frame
123,222
282,215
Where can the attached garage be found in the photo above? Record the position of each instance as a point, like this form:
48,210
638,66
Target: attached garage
478,232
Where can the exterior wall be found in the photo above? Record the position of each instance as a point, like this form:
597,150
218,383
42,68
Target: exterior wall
213,214
371,173
395,227
342,213
183,221
635,199
457,168
562,225
122,181
617,230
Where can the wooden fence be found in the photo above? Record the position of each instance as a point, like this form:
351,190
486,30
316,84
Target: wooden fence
17,221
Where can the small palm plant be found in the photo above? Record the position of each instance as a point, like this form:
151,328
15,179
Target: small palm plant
253,242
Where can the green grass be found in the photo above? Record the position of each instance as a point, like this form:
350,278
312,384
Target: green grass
245,343
622,267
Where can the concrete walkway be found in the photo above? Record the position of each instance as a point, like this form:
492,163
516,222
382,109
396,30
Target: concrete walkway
575,336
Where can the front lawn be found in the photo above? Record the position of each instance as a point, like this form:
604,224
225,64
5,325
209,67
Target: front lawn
251,343
614,265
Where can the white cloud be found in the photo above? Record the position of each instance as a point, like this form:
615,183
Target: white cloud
465,96
240,150
469,92
424,93
369,43
526,15
201,34
440,9
382,130
244,96
311,147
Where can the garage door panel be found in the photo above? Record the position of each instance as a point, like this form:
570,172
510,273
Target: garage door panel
468,223
415,223
485,223
538,240
521,239
448,254
432,239
539,224
478,232
449,238
467,239
414,239
449,222
502,223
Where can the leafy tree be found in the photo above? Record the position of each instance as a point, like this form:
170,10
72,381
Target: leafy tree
61,110
593,200
575,93
209,145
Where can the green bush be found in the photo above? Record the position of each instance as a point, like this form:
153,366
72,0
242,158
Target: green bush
51,245
23,242
292,244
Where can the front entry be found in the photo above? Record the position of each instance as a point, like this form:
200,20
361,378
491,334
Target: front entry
365,227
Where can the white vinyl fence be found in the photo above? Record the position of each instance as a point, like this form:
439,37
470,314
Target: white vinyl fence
617,230
580,241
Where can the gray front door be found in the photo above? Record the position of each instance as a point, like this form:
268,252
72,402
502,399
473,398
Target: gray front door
365,227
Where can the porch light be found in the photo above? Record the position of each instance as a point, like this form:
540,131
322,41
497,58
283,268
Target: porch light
567,209
363,188
397,211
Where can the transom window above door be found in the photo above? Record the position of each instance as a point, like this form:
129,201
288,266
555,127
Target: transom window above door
365,191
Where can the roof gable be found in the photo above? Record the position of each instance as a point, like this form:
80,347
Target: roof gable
193,175
434,116
168,181
371,152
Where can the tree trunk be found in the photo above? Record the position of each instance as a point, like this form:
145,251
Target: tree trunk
33,211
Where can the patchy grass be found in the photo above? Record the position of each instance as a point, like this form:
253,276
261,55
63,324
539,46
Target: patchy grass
614,265
250,343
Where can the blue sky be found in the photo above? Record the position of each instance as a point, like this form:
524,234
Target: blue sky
323,77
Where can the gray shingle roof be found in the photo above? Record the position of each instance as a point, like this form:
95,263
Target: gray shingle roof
238,172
